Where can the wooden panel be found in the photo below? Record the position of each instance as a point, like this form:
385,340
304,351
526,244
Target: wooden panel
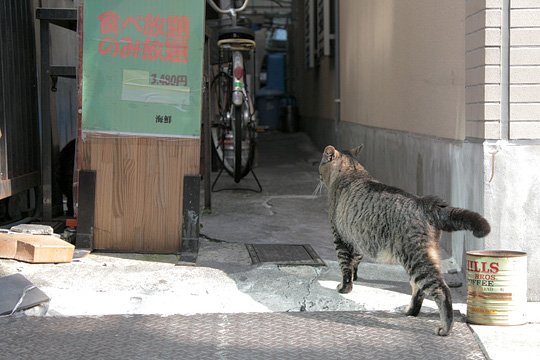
8,246
139,187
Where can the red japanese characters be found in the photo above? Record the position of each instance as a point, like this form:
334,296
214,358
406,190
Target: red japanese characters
165,38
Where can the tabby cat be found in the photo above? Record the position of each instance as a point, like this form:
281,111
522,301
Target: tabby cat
383,222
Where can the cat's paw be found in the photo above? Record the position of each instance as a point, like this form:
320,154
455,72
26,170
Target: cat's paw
406,310
441,331
344,288
411,311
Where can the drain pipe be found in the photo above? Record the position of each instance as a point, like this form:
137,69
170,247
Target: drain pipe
505,70
337,72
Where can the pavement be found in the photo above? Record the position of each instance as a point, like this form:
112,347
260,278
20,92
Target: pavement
225,287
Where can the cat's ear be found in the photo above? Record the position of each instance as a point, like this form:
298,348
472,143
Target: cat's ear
329,153
357,150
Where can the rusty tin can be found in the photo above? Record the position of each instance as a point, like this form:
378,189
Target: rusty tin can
496,287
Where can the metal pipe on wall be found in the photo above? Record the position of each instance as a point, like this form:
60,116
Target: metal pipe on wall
337,73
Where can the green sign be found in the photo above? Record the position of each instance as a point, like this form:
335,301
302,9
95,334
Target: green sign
142,67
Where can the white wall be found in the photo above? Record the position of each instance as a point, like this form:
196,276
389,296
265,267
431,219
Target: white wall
403,65
524,69
483,23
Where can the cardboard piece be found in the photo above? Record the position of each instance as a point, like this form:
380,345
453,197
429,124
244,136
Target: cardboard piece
36,248
13,288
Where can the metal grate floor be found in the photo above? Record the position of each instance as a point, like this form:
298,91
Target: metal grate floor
304,335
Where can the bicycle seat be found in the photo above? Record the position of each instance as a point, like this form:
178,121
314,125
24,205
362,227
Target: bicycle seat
236,32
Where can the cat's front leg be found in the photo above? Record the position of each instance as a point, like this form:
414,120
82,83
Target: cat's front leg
356,260
348,263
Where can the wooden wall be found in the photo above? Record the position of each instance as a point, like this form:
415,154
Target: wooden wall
139,187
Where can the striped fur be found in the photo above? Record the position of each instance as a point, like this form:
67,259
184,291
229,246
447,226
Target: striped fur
383,222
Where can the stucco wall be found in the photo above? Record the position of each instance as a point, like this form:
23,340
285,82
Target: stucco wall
512,203
403,66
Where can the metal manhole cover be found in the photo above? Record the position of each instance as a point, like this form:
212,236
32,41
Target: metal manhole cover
284,254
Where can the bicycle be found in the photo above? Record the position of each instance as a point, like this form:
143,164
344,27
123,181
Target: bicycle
233,124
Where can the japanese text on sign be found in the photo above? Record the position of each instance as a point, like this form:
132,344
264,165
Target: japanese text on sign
166,38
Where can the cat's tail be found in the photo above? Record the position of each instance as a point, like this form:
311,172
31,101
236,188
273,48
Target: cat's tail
448,218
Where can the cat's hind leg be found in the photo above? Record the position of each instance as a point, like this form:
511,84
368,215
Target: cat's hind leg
431,283
423,266
443,299
348,263
416,300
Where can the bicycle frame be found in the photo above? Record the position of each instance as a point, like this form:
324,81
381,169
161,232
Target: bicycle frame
232,11
237,106
238,91
234,134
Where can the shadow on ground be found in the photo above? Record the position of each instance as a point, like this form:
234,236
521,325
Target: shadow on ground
288,212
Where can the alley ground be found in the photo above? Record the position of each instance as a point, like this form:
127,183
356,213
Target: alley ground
143,306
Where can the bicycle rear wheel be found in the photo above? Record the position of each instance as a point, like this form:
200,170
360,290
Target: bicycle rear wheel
238,127
221,127
232,128
244,142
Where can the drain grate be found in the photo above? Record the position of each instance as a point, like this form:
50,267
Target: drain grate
284,254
